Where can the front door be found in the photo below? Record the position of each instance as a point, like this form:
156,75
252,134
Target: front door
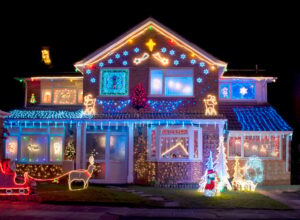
110,150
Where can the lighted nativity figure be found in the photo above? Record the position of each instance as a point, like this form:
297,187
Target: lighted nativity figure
210,103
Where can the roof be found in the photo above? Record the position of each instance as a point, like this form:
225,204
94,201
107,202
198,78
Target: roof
255,73
253,117
93,57
3,114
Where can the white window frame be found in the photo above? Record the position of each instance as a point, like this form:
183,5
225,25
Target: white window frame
190,136
260,134
172,75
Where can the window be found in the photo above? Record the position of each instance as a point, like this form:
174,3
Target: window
34,148
175,143
114,82
95,144
247,146
171,82
56,149
80,96
243,91
11,148
64,96
46,96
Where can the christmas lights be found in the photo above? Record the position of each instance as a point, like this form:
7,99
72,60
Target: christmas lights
33,147
45,114
150,44
141,59
138,98
179,144
164,61
89,103
114,82
210,103
46,56
254,169
32,99
111,106
165,106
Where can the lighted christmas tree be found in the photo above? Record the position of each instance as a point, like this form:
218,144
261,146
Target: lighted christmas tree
221,167
237,175
139,98
70,151
209,166
32,99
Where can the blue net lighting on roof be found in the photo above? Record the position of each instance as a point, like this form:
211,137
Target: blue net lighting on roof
46,114
260,119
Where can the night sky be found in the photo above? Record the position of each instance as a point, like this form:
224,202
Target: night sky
242,35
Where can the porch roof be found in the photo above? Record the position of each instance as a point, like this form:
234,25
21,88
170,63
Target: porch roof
253,117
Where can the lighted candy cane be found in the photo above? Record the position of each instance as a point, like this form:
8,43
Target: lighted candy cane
162,60
141,59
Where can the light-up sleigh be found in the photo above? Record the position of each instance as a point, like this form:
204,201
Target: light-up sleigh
8,184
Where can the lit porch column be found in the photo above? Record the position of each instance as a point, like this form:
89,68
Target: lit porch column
130,153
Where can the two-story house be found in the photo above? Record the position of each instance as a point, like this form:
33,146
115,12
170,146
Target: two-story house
149,106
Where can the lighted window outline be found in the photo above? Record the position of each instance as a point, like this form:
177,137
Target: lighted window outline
191,149
75,91
164,75
260,135
127,80
45,131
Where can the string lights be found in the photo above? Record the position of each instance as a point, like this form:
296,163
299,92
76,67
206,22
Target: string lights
210,103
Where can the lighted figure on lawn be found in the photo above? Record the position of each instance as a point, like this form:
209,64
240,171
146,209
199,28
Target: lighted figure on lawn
8,185
210,103
210,189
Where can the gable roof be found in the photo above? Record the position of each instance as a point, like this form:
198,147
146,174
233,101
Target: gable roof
137,30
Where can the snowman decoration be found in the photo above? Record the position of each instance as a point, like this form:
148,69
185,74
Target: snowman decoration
211,183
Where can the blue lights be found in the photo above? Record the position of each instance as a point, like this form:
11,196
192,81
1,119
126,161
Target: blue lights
199,80
163,50
46,114
193,61
117,56
172,52
201,64
263,118
165,106
182,56
93,80
110,61
176,62
110,106
206,71
225,91
124,63
125,53
101,64
88,72
136,50
243,90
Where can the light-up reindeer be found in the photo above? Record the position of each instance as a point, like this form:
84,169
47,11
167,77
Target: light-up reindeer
210,103
82,175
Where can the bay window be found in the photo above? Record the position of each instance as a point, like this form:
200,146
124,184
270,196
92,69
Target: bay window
265,146
174,143
171,82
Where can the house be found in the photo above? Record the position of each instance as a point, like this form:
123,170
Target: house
149,106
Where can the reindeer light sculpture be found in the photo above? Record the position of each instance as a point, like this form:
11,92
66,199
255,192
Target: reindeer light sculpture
81,175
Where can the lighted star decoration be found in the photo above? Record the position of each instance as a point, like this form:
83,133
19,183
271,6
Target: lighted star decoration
243,91
150,44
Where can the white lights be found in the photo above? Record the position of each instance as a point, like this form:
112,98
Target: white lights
243,90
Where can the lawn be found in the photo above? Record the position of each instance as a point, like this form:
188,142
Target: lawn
94,195
189,198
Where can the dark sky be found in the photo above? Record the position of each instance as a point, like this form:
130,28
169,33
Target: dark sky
241,34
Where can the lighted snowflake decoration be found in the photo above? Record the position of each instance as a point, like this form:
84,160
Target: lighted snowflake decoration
202,64
206,71
124,63
117,56
101,64
88,72
136,50
125,53
199,80
163,49
183,56
93,80
243,90
176,62
172,52
110,61
193,61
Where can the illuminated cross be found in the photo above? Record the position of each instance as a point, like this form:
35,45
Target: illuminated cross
150,44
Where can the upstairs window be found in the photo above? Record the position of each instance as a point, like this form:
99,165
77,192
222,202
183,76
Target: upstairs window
114,82
237,91
171,82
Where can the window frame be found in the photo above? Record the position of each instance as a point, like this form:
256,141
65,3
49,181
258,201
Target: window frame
190,135
260,135
173,75
100,82
230,91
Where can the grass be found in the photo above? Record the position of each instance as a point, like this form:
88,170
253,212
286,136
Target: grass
232,199
94,195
